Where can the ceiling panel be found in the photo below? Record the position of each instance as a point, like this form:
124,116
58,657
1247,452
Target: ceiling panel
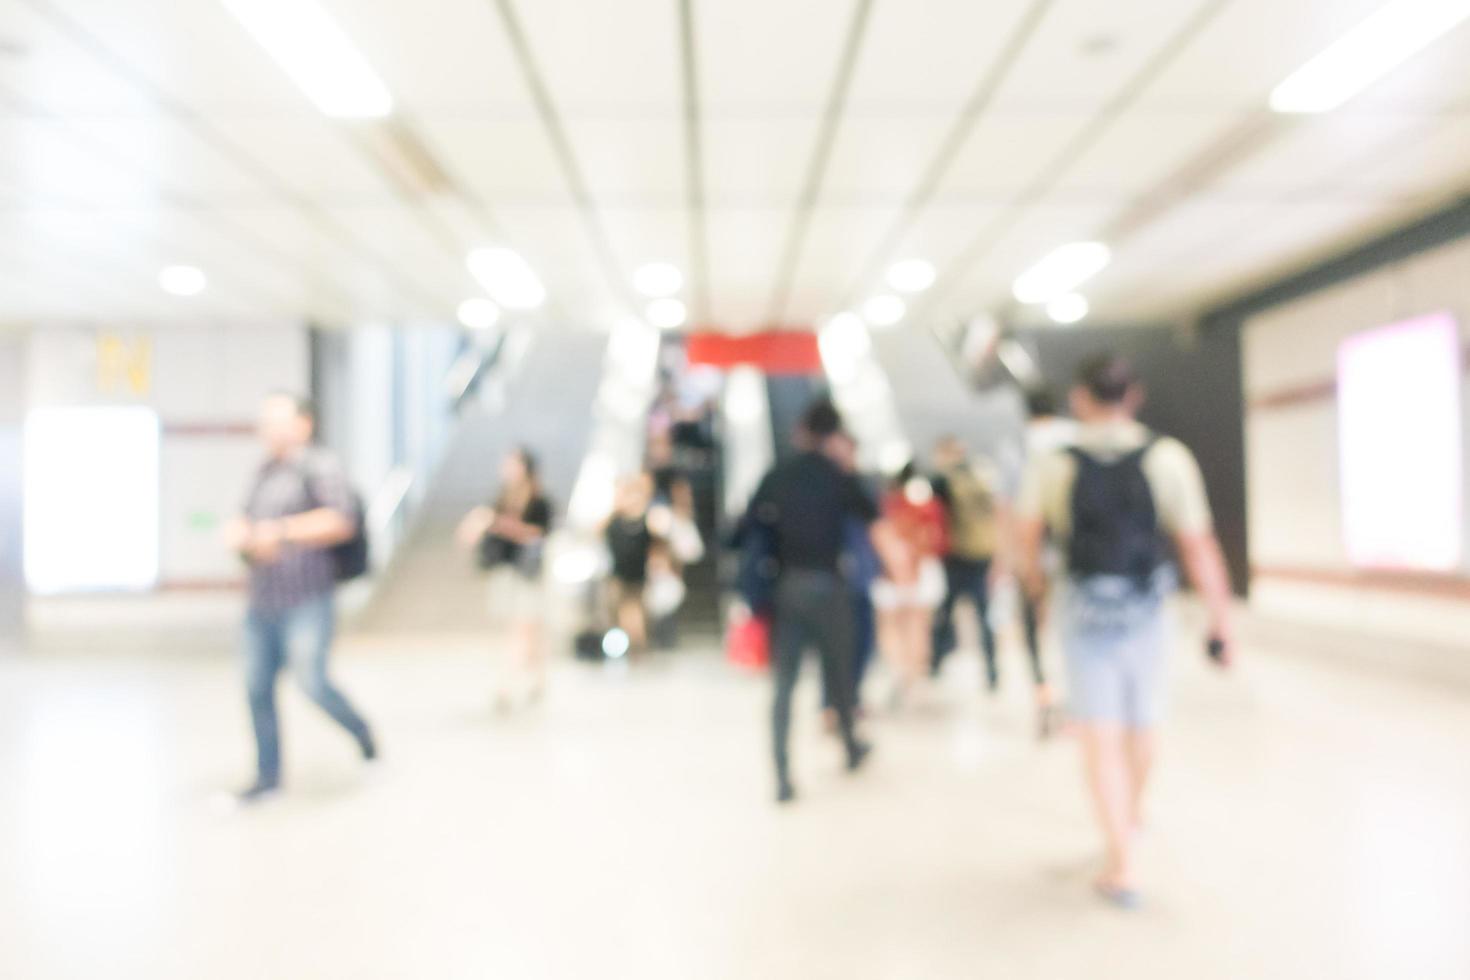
1142,149
1432,159
1005,152
1250,47
840,240
598,58
1021,244
1436,80
1056,71
631,161
447,57
642,235
312,156
506,162
53,73
768,57
760,162
744,243
171,153
196,52
1313,149
42,162
954,40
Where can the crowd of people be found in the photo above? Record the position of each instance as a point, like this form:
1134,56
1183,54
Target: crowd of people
1103,508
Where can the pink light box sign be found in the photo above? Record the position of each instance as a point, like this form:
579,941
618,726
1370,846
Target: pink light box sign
1398,403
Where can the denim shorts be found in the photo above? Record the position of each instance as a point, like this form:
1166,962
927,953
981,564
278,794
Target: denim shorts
1115,638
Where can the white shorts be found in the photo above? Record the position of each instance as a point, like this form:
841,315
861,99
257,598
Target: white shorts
925,592
512,596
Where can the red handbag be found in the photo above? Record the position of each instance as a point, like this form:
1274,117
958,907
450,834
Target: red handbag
748,643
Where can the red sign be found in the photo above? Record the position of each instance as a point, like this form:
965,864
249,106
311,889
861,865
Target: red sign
774,351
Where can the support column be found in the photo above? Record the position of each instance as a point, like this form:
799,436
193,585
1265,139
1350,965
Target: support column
12,413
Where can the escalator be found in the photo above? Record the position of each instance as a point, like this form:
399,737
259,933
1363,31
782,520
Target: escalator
542,399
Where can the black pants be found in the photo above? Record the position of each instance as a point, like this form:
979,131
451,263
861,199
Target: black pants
1033,638
967,578
812,609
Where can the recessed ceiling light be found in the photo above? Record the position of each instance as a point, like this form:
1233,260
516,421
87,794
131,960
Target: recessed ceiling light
478,313
667,314
1390,36
182,280
884,310
911,275
1062,271
310,47
507,277
1068,308
658,279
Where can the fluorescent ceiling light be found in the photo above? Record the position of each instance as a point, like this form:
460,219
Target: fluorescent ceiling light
507,277
1390,36
478,313
666,314
182,280
911,275
884,311
1068,308
658,279
1062,271
312,49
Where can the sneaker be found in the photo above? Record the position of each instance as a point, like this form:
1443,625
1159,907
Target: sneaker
369,750
857,755
257,793
785,792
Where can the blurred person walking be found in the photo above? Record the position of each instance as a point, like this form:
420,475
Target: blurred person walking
298,510
509,538
1112,501
913,585
1047,431
861,567
975,518
630,541
801,508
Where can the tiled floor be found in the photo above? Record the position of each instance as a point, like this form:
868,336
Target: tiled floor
1308,822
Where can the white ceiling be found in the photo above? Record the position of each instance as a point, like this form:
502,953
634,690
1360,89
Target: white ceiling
140,133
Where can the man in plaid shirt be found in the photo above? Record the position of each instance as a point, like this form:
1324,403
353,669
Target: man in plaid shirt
298,508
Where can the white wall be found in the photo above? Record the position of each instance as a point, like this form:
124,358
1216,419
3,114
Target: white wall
1292,449
205,382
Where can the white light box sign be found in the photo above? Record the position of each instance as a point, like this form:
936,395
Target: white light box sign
1398,402
91,499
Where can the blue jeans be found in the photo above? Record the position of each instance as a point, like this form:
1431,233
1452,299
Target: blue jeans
299,637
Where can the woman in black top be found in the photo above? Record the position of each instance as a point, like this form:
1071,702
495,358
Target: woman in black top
629,541
509,537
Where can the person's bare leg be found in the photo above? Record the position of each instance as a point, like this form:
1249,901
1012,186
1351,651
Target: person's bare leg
1141,748
918,642
890,646
531,657
1106,761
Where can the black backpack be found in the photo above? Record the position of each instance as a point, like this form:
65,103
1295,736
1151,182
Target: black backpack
350,559
1115,525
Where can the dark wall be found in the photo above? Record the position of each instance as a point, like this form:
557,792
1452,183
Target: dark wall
1194,394
789,395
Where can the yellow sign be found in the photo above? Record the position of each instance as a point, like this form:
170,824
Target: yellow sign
123,365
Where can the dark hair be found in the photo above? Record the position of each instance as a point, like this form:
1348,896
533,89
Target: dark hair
1040,403
529,461
1108,378
821,419
305,408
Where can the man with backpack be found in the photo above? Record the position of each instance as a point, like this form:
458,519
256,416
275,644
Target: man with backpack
1114,503
973,513
300,533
